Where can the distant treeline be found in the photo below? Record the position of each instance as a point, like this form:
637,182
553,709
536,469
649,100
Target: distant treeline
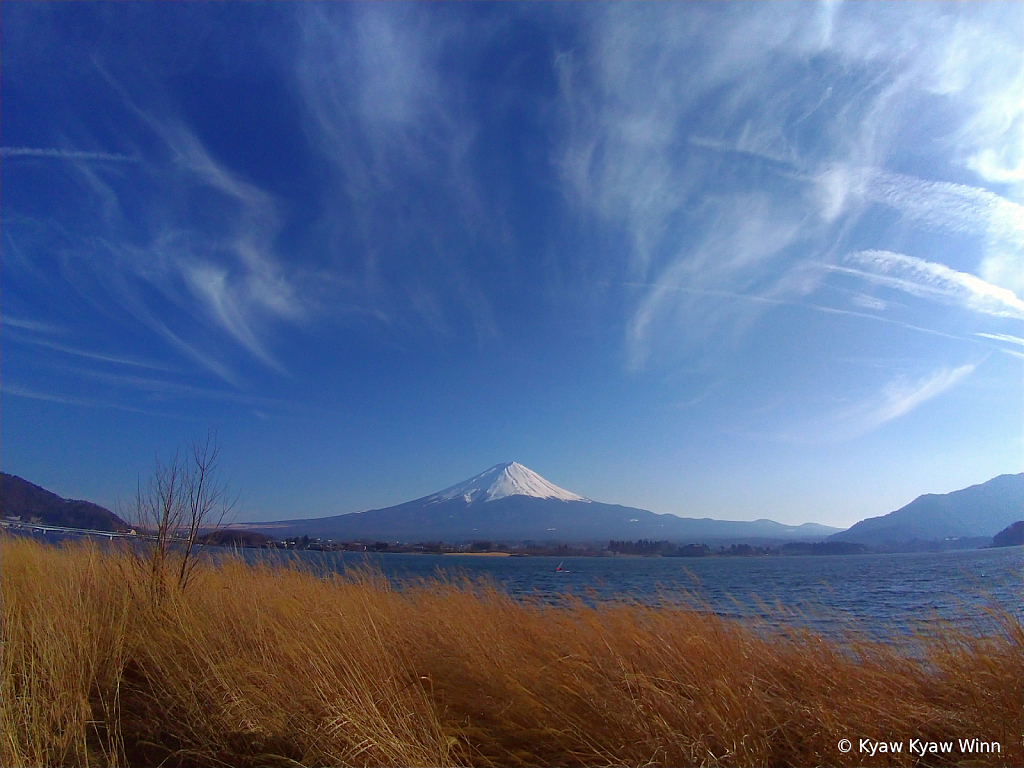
663,548
668,549
643,547
823,548
229,537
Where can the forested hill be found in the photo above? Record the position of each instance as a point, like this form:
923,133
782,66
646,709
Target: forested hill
20,498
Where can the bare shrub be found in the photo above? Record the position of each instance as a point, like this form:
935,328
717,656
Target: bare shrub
184,501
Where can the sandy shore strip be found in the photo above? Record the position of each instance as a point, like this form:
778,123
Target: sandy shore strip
481,554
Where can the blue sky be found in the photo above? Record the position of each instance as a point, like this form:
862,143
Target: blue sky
729,260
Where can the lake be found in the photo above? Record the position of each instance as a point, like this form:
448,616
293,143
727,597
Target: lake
876,594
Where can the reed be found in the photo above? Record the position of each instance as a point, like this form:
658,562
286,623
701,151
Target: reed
275,665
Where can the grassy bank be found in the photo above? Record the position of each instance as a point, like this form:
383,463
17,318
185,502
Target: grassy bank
256,665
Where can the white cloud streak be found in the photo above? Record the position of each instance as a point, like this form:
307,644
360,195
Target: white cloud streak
901,396
894,400
32,325
929,280
65,154
134,304
160,389
998,223
869,302
945,206
776,302
1002,337
15,390
88,354
1007,339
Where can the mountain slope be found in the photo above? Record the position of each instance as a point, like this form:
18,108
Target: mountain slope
1010,536
980,510
509,502
503,480
21,498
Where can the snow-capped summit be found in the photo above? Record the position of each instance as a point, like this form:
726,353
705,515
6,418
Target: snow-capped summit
501,480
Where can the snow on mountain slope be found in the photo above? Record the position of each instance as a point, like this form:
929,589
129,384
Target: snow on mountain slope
501,480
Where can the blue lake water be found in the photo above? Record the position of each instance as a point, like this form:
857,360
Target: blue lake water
877,594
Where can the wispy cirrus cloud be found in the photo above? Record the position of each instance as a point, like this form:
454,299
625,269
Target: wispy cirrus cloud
161,389
893,400
232,270
391,122
946,206
901,396
1007,339
771,301
869,302
85,353
898,398
997,223
65,154
1002,337
667,139
30,393
929,280
181,226
936,204
994,166
32,325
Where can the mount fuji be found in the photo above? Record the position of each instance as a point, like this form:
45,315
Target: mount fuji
510,502
502,481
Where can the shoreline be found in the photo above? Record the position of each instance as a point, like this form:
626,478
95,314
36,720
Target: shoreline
468,554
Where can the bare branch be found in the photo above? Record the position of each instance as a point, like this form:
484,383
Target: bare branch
182,501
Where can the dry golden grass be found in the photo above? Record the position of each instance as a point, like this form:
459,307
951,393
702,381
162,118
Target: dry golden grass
256,665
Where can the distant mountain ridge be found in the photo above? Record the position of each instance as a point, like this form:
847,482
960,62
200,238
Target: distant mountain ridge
978,511
509,502
20,498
